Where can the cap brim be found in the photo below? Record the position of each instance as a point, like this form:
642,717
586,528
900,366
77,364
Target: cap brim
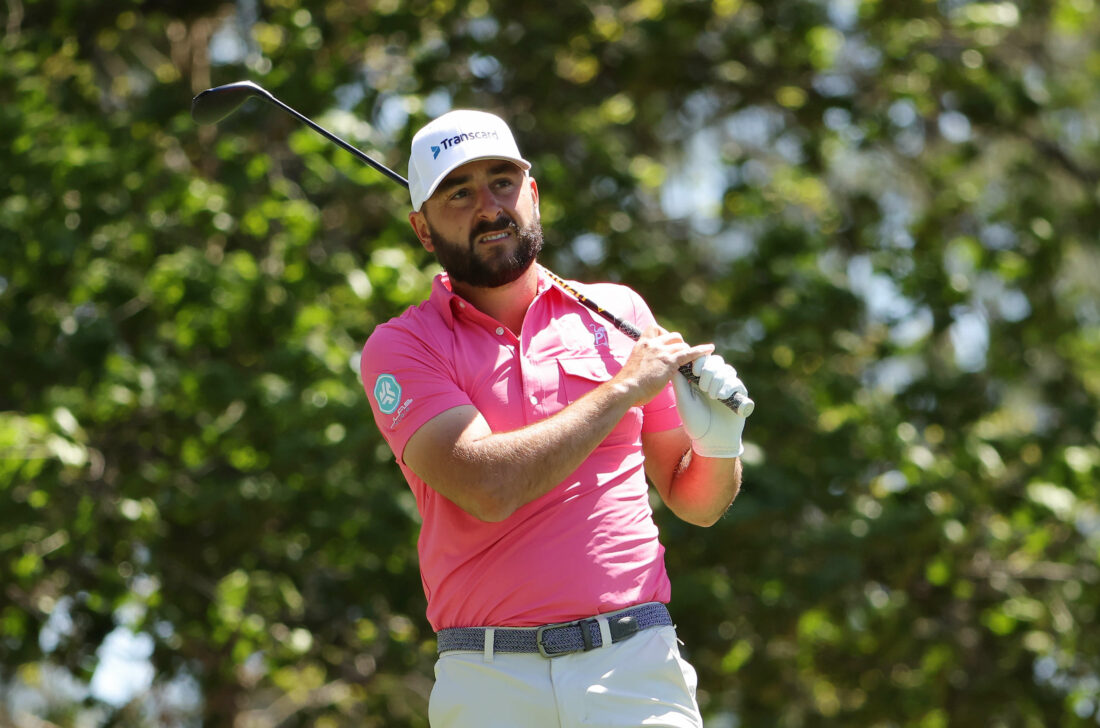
518,161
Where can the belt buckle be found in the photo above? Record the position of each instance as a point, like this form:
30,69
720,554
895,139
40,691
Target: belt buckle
585,636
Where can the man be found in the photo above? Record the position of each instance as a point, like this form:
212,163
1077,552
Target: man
526,429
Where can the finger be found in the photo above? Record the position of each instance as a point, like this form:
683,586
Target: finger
707,369
717,378
729,387
692,353
725,382
672,338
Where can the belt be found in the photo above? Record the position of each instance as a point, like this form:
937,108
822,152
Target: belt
562,638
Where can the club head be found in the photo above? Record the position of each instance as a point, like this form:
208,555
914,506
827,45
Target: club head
214,104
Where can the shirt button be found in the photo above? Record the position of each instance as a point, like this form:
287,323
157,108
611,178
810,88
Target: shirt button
500,331
462,304
534,399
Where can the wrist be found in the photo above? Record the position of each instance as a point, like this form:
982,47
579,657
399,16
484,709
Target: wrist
726,450
628,390
612,398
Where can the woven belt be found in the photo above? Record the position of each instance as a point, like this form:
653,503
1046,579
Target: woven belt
562,638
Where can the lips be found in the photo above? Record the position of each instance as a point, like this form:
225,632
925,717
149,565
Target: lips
495,237
500,229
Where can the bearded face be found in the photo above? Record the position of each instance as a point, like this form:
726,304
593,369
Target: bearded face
493,264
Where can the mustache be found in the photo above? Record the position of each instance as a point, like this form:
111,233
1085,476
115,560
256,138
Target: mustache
504,221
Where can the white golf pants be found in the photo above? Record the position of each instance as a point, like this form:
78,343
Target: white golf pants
641,681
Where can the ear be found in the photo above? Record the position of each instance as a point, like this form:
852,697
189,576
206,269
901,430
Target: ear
534,195
420,227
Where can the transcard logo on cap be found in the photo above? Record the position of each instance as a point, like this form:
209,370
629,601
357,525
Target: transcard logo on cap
449,142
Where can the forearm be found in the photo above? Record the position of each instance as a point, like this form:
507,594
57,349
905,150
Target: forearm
494,474
702,488
489,475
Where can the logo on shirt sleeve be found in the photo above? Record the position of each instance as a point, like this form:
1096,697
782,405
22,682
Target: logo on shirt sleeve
387,393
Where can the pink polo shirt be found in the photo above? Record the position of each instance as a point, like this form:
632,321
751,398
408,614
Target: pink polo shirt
589,545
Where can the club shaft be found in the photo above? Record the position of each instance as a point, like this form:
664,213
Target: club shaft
332,137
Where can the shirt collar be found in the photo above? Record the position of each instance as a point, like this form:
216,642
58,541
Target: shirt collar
449,304
444,299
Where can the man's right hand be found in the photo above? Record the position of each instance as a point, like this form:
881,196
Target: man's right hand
656,356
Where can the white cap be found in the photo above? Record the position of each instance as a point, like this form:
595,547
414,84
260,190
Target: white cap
452,140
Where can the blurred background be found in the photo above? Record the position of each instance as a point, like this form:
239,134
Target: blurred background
884,214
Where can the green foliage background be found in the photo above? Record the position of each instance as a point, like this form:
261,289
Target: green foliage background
883,213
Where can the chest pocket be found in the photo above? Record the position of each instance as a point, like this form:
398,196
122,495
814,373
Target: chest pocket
580,375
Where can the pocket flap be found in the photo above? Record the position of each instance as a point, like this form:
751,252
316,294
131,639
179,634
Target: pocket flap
592,368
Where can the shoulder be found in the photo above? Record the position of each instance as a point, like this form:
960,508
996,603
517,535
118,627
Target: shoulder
607,295
419,329
621,300
609,289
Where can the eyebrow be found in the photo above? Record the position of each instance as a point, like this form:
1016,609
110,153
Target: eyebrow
459,180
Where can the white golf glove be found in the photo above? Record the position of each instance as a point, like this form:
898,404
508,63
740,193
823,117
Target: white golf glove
714,429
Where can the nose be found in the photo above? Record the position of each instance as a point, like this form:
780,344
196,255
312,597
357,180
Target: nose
488,206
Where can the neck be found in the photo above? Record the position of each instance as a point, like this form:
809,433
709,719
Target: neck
507,304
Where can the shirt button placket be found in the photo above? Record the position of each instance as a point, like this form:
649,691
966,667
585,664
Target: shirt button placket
529,380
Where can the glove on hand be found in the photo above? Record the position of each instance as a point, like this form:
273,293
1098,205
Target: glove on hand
714,429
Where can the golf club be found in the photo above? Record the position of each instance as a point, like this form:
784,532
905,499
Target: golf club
215,104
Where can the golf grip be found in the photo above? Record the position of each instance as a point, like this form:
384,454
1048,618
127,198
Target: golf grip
737,402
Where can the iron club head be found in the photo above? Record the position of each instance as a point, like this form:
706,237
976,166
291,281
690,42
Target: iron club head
214,104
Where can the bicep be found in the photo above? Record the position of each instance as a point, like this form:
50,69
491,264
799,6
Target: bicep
433,451
664,451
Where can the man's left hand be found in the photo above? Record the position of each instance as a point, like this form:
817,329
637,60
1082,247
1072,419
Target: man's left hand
715,430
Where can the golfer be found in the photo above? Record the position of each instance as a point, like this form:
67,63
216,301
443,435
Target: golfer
526,428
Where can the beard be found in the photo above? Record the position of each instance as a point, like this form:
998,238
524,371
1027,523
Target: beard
463,263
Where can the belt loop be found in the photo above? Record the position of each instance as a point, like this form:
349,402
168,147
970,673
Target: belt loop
487,654
605,631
